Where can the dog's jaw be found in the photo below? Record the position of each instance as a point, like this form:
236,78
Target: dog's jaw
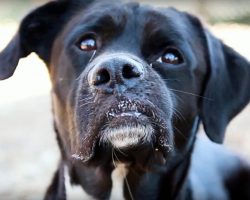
124,123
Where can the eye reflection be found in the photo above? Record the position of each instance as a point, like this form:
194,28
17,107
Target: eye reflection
88,44
171,56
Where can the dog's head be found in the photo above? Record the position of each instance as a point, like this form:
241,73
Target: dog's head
131,82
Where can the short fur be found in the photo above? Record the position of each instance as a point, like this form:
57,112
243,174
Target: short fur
171,163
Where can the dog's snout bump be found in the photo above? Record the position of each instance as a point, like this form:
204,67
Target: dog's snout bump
104,75
117,68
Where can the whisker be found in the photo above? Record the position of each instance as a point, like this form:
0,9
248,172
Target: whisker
86,99
92,57
116,157
179,99
150,102
189,93
118,149
170,79
82,105
113,160
178,114
129,189
157,124
180,133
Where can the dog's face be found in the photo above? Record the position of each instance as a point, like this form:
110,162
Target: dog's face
129,81
115,74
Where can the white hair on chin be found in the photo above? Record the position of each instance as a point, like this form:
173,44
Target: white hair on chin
126,136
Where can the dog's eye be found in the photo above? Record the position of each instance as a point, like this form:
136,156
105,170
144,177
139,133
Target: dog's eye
88,44
171,56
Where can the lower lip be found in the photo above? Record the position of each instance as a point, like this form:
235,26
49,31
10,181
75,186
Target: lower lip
129,114
128,118
128,129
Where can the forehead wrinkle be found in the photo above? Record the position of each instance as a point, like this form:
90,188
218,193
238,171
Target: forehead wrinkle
160,24
164,27
178,21
130,38
98,18
102,13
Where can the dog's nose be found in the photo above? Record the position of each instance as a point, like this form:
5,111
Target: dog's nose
116,71
118,74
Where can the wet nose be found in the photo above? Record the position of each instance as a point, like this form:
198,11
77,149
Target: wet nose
116,71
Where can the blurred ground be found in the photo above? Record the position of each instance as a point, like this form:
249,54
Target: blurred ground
28,148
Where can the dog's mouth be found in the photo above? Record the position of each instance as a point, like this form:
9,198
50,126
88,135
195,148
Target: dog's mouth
127,130
133,127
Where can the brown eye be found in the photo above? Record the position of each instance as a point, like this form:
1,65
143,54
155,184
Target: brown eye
88,44
171,56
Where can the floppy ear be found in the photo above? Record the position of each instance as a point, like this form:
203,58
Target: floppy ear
9,58
228,87
37,33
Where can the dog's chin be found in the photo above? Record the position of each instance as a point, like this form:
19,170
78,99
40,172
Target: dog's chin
127,130
131,138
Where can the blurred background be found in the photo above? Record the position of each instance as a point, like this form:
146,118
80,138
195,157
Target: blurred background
28,148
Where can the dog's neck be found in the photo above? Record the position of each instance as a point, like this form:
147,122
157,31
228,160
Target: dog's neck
118,177
124,182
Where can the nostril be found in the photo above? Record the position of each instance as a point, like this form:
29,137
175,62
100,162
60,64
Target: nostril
130,71
101,77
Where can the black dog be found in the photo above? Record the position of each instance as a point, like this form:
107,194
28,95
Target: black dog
130,86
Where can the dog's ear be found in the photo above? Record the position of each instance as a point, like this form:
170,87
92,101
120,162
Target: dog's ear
228,87
37,33
57,190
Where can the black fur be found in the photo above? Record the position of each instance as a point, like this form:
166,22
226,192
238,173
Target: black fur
211,86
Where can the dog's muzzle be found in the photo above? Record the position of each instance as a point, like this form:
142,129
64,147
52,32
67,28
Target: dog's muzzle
121,109
120,71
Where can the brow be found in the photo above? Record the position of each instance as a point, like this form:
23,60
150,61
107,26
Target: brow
99,23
